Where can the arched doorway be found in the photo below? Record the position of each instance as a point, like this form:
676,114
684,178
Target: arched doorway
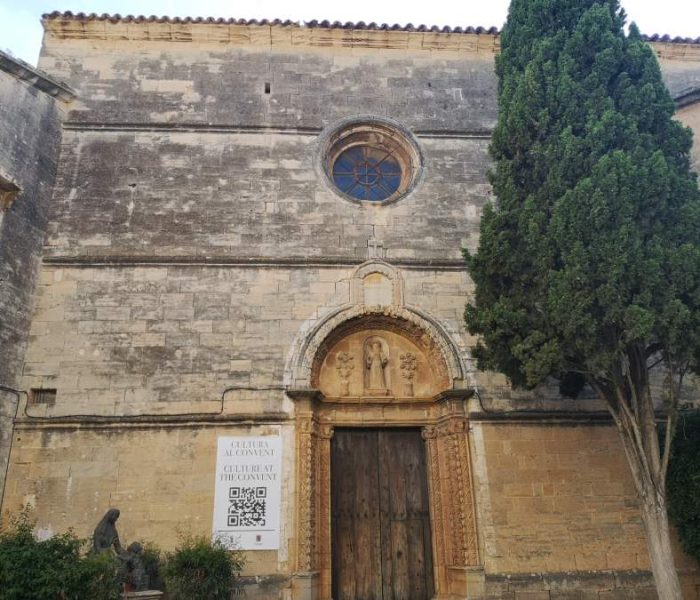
388,380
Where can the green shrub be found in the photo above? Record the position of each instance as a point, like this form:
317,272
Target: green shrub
153,563
683,483
199,568
53,569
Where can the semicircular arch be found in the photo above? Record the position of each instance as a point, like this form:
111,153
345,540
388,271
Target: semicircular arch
317,337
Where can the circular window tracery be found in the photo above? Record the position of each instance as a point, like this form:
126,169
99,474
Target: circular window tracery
367,173
371,159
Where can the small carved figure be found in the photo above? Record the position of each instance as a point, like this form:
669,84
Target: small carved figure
106,537
408,371
345,366
376,361
135,577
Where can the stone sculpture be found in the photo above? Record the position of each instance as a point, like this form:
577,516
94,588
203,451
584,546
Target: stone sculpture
105,537
408,371
344,366
135,577
376,361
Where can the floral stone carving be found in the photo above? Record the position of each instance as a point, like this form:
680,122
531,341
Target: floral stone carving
344,365
408,363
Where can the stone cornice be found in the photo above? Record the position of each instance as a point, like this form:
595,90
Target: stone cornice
286,34
35,78
268,33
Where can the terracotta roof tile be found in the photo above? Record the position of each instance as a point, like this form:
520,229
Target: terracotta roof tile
361,25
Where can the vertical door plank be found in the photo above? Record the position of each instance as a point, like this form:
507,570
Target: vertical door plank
416,508
398,511
342,517
386,468
367,526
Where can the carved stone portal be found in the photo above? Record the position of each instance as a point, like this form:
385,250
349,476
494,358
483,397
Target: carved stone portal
373,365
445,431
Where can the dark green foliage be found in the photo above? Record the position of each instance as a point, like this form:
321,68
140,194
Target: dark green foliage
199,568
589,259
53,569
571,384
153,564
683,483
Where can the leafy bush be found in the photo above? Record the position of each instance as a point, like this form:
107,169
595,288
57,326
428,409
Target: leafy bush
199,568
683,483
153,563
53,569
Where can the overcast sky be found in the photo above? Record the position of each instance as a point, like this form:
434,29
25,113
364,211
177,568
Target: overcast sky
20,29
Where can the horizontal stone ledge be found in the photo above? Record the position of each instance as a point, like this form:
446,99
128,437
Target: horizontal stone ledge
541,416
150,421
536,416
253,262
121,127
572,580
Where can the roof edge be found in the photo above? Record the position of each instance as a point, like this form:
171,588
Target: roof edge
314,24
35,78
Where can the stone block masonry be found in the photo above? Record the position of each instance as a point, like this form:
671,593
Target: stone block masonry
32,105
199,268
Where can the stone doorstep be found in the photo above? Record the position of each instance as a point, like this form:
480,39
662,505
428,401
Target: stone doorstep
145,595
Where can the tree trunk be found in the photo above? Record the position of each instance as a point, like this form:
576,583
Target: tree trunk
649,481
655,520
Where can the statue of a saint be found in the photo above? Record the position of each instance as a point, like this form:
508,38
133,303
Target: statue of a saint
376,361
106,537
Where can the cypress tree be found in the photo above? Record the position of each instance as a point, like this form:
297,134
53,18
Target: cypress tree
589,257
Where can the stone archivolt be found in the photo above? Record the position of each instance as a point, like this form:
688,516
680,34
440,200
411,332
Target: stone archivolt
378,282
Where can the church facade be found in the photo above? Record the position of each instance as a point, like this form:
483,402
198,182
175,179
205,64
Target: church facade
248,322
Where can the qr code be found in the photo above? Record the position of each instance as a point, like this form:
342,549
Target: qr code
247,506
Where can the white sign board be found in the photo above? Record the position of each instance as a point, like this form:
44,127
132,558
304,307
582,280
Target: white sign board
247,492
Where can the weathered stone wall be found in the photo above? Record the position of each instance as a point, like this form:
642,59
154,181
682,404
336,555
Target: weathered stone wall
683,80
160,475
557,513
192,243
31,107
124,340
690,116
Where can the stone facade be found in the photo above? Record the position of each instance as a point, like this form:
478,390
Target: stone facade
202,278
31,107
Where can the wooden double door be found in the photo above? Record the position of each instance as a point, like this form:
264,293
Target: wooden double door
380,522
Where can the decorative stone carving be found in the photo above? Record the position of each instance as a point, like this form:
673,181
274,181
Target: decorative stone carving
377,378
317,337
408,371
344,365
378,372
306,497
405,354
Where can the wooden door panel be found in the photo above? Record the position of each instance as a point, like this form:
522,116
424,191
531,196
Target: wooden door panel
402,464
381,542
355,519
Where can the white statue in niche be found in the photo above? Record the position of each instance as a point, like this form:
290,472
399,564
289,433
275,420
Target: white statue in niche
377,380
